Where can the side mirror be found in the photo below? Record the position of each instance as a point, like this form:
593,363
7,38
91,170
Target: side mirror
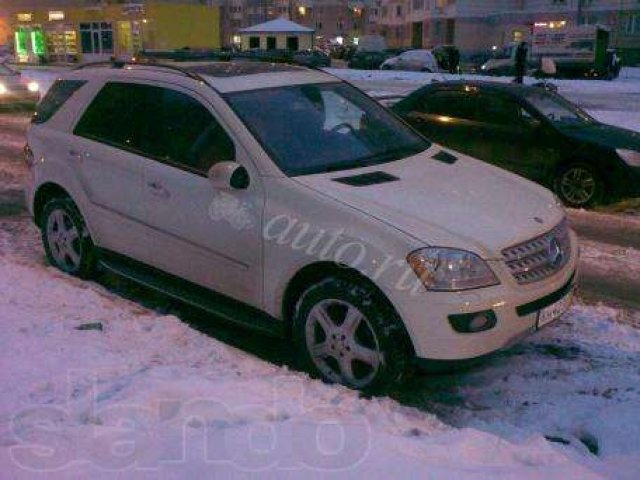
229,176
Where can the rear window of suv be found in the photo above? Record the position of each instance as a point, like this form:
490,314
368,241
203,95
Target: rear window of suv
58,94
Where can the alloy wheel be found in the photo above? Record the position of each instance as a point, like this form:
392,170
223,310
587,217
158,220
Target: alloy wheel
578,185
342,343
64,240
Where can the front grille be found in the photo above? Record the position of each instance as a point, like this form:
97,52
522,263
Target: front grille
540,257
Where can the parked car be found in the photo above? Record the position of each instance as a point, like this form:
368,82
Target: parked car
312,58
414,60
287,200
448,58
16,90
367,60
533,132
273,55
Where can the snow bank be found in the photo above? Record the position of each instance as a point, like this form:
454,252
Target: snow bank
627,83
148,396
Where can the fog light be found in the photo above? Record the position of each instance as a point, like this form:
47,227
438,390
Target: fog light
3,89
473,322
33,87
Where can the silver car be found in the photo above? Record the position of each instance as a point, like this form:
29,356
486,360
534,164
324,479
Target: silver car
414,60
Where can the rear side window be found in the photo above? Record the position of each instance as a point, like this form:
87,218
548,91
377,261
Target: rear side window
159,123
450,104
123,115
498,110
58,94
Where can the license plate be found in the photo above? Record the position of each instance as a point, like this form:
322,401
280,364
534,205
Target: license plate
555,310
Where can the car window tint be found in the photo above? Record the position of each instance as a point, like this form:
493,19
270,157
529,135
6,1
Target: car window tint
156,122
196,139
451,104
58,94
124,115
498,110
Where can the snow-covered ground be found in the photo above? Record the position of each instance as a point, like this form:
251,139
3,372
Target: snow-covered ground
150,397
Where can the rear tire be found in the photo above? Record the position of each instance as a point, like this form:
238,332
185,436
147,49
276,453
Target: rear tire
346,332
579,185
66,239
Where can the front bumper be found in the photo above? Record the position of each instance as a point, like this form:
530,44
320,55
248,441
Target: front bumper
515,306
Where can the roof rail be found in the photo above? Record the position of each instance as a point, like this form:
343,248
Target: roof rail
120,64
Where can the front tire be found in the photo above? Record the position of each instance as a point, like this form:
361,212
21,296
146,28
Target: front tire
579,185
66,238
346,332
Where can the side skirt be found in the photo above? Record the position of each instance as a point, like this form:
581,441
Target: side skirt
184,291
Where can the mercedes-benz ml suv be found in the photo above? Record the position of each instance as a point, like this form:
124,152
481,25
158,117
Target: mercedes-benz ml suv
289,201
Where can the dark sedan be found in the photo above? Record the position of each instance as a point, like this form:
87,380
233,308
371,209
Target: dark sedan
367,60
312,58
532,132
16,90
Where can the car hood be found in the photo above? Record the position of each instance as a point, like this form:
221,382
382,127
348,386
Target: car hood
467,204
605,135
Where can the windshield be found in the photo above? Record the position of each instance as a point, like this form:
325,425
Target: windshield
323,127
558,110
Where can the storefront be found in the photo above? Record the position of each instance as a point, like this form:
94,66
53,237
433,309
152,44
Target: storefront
90,34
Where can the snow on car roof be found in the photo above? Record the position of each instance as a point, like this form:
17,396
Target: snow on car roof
223,76
235,69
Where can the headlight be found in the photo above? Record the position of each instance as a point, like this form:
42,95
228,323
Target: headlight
33,87
448,269
3,89
630,157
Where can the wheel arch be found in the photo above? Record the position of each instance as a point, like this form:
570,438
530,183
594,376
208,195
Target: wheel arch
584,157
313,273
44,193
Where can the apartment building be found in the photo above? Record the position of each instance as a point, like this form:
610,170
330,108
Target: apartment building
91,30
336,21
478,25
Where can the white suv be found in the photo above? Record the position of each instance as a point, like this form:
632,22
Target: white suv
289,201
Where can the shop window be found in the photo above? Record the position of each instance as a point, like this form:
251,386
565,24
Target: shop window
96,37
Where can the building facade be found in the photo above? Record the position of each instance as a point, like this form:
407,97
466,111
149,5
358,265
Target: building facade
479,25
93,30
334,21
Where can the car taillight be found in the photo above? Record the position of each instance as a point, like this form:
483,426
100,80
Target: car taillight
28,156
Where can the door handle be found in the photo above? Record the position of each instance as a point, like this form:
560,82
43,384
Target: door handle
158,190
